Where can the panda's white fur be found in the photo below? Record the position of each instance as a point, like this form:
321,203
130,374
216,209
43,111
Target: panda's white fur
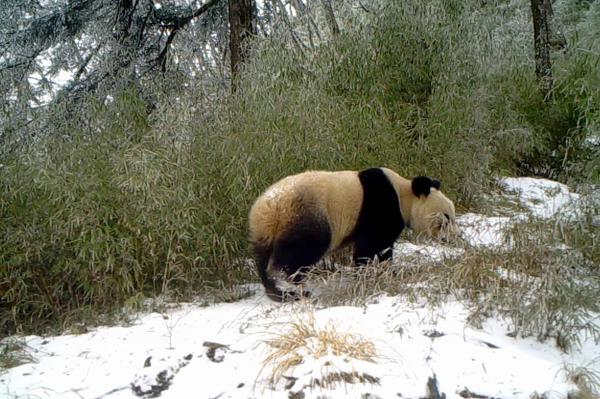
300,218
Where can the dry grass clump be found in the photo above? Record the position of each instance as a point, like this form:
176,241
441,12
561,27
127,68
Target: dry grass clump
586,379
411,275
13,353
304,339
350,285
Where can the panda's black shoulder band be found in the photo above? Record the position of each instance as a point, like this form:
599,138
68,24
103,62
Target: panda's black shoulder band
380,221
421,185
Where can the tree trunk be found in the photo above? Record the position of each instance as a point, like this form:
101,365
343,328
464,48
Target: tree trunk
241,25
541,11
330,16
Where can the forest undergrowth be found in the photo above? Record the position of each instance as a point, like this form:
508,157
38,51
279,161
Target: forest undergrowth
118,203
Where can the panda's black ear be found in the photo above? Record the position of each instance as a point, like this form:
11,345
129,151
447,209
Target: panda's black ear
421,185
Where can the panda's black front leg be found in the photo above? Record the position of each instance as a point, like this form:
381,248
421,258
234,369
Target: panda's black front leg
367,248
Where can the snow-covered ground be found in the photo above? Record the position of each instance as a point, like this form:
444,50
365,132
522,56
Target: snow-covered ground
219,351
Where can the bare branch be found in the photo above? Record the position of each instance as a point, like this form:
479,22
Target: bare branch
178,22
179,17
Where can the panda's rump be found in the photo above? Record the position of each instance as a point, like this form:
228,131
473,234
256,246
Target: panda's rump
269,213
281,210
302,217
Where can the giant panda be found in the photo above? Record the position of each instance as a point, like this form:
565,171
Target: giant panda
302,217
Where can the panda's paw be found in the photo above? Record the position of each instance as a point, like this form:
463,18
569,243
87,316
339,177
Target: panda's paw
293,296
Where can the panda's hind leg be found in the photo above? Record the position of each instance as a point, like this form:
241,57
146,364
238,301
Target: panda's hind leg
303,245
262,255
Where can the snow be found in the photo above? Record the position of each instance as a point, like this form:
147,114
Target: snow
544,198
428,252
484,231
108,361
593,141
219,351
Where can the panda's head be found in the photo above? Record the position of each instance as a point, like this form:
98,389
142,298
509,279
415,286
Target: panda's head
431,212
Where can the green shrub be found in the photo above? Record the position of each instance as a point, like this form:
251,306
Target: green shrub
93,222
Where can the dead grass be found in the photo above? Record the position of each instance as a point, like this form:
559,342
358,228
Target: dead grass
586,379
305,339
13,353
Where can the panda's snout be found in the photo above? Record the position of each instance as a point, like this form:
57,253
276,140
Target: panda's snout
448,232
